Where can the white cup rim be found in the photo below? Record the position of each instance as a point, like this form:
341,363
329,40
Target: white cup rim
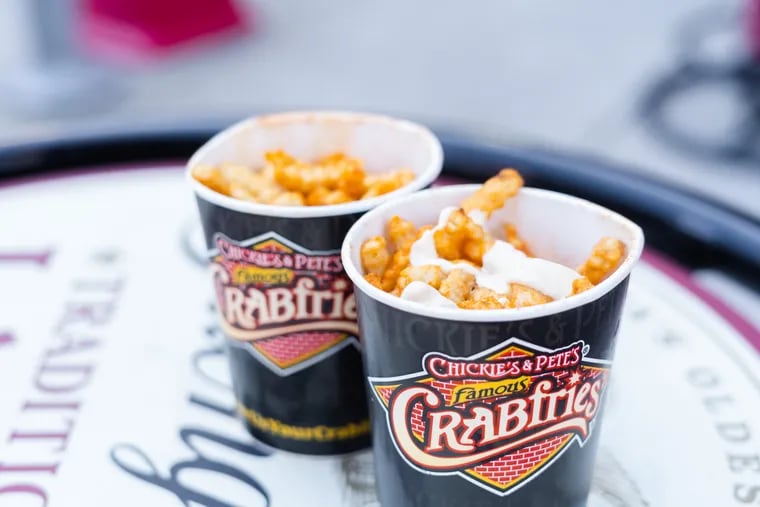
421,180
353,240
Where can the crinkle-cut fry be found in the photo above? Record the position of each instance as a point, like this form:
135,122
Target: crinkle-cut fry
304,179
374,279
401,232
344,173
494,192
461,238
339,157
212,177
475,249
279,158
321,196
375,256
267,194
399,261
288,199
457,285
522,295
482,298
514,239
298,176
604,259
379,184
581,284
292,174
430,274
256,185
243,194
351,182
335,179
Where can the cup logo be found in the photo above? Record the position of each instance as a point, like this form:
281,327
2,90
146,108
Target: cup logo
289,306
498,418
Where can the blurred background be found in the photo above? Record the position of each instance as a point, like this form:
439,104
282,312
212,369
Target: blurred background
671,89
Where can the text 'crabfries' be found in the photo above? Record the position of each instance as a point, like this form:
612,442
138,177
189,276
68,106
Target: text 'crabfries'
457,263
287,181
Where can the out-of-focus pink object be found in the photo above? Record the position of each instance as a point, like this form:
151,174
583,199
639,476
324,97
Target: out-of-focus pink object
753,26
137,30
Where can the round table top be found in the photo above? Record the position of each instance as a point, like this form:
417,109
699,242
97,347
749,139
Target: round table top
117,390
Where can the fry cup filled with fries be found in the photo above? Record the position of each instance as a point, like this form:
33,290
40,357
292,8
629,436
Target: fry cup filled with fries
488,316
276,196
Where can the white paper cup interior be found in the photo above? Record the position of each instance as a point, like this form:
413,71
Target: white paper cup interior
382,143
557,227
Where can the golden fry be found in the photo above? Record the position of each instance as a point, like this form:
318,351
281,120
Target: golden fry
322,197
402,233
384,183
457,285
334,179
482,298
581,284
288,199
242,194
604,259
212,177
375,280
461,238
522,295
374,256
494,192
351,182
431,275
399,261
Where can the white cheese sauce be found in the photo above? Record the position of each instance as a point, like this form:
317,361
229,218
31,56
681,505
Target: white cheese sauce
503,264
420,292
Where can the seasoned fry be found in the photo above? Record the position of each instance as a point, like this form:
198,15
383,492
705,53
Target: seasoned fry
321,196
212,177
604,259
482,298
457,285
334,179
383,183
374,255
402,233
522,295
375,280
242,193
494,192
399,261
430,274
351,182
288,199
460,240
581,284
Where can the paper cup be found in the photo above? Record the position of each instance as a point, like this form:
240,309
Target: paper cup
286,304
492,407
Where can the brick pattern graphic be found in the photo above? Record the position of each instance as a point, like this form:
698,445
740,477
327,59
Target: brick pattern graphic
294,348
285,351
504,471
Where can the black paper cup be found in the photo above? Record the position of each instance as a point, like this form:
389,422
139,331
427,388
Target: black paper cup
285,302
492,407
